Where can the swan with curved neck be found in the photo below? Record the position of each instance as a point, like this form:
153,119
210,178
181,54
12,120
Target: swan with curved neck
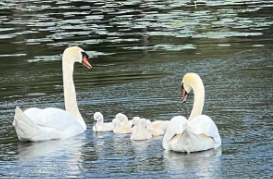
199,132
36,124
157,127
140,132
100,125
124,119
121,124
192,81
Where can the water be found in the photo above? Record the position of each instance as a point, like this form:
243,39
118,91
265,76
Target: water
140,50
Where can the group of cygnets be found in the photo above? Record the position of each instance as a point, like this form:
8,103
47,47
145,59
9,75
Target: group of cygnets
139,128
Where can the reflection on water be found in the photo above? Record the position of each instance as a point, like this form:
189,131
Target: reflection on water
140,50
201,164
52,158
33,150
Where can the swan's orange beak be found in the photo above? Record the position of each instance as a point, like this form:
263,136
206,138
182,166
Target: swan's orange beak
85,62
185,96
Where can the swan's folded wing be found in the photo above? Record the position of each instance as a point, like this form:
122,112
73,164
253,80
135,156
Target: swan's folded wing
175,126
204,125
55,118
109,126
28,130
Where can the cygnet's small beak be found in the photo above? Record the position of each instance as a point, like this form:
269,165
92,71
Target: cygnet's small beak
85,62
132,125
185,96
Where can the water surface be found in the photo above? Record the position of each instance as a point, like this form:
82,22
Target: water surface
140,50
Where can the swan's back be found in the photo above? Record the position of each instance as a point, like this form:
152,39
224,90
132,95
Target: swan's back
204,125
140,132
175,126
100,125
158,124
121,129
45,124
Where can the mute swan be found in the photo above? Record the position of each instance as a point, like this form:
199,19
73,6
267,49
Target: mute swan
52,123
158,127
100,125
121,129
155,131
140,132
199,132
159,124
124,119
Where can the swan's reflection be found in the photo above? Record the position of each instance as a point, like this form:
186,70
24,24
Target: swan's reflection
54,156
206,164
140,146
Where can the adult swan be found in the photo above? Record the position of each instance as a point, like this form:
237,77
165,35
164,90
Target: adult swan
52,123
199,132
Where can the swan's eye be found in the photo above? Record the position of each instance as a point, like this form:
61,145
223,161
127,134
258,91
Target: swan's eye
85,60
84,54
182,87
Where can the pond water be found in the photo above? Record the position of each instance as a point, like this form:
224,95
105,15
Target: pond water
140,50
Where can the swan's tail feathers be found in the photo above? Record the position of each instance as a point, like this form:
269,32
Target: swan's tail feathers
186,132
25,128
185,127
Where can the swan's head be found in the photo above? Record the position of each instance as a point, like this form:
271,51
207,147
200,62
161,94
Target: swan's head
121,117
143,123
115,122
98,117
148,122
189,82
136,121
76,54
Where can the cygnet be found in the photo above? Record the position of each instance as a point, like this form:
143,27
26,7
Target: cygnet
140,132
100,125
121,129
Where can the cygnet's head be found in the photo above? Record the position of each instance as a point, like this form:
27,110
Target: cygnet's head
98,117
143,123
148,122
76,54
136,121
115,122
189,82
121,117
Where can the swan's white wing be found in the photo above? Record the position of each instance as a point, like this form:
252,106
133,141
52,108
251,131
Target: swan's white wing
55,118
103,127
204,124
175,126
109,125
31,112
28,130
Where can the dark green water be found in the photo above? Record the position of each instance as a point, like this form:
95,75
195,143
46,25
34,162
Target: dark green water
140,49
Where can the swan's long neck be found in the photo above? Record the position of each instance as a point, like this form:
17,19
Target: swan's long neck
199,98
70,93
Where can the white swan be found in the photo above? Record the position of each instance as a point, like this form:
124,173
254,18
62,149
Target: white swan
100,125
121,129
140,132
159,124
52,123
124,119
199,133
158,127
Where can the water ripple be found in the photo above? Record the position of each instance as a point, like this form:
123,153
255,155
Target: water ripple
139,51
